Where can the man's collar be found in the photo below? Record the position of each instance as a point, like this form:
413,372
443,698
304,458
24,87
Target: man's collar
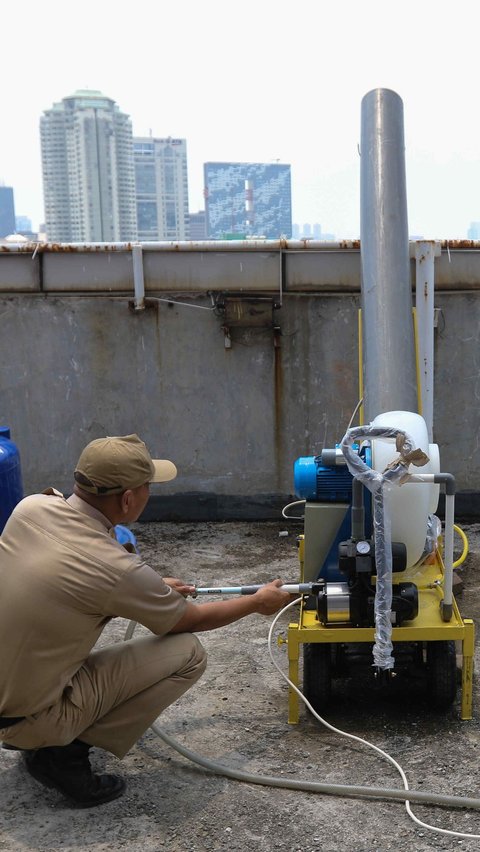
82,506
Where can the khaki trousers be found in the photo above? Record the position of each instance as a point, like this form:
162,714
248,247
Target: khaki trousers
116,695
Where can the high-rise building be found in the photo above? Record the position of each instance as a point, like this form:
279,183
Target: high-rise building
23,223
161,187
248,199
474,231
7,211
198,226
88,175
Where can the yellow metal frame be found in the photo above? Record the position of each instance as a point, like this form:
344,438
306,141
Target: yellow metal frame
428,626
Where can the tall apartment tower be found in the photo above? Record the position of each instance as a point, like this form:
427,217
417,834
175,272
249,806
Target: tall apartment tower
248,199
88,174
161,186
7,211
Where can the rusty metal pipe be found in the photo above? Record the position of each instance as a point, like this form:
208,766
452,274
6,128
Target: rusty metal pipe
185,246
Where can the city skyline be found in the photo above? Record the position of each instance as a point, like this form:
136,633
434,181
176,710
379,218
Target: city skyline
296,99
103,184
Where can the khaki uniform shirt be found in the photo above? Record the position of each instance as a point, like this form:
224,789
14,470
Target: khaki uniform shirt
62,578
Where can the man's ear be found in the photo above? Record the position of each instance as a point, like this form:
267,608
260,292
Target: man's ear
126,501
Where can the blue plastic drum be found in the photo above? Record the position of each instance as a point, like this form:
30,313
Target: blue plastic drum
11,487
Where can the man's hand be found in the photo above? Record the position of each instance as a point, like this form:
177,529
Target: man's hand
270,598
184,589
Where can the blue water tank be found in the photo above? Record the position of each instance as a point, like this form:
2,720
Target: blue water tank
11,487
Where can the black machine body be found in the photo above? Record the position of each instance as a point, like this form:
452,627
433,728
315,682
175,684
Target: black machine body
353,601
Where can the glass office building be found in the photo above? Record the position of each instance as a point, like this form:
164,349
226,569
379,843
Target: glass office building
7,211
161,188
248,199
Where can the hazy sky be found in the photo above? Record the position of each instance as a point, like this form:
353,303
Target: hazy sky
261,80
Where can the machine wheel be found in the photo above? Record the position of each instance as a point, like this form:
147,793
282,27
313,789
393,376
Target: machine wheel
317,674
441,674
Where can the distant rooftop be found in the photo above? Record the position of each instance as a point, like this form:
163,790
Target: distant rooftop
89,93
82,98
90,97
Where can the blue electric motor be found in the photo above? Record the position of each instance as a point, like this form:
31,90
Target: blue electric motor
11,487
316,481
326,479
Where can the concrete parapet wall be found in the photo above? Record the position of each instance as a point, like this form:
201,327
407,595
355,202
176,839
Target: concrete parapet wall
76,362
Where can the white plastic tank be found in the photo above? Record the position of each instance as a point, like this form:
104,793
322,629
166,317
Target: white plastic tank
412,503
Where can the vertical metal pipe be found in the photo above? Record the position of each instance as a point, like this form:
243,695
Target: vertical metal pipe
138,279
388,340
448,556
358,510
425,253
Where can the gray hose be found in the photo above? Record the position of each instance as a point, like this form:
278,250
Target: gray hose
343,790
315,786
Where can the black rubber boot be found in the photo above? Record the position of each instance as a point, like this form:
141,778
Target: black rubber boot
68,770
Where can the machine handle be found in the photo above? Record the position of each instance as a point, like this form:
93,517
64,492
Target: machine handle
292,588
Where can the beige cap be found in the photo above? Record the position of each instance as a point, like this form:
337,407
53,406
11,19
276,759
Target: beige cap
112,465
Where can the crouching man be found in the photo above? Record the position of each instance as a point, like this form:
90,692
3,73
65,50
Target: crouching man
63,576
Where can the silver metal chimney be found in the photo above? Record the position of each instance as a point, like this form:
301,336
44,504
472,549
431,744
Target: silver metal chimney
389,374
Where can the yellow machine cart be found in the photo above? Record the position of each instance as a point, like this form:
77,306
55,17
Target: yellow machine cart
428,629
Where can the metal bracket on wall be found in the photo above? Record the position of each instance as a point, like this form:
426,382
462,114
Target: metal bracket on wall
241,311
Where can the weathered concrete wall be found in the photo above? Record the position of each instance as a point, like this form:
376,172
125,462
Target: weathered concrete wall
75,366
233,420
